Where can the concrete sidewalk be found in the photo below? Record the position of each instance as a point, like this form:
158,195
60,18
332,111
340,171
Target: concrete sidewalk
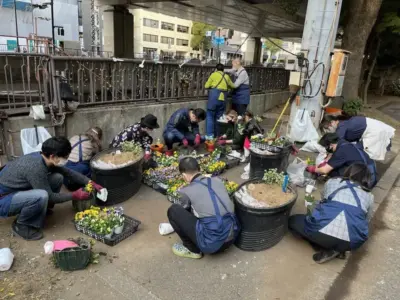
144,267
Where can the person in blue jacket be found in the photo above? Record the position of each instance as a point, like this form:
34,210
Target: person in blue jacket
217,84
339,223
241,93
347,128
183,127
211,226
343,155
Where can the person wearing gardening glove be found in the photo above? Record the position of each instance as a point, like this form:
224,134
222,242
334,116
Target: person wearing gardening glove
31,184
217,84
212,225
374,135
183,127
338,223
344,154
84,147
138,133
234,136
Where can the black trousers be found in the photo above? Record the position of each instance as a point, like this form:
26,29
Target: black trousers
317,239
184,224
239,108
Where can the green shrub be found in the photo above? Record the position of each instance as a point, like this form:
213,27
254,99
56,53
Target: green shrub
353,107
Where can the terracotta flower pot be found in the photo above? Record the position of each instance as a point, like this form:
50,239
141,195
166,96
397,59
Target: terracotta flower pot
210,146
157,148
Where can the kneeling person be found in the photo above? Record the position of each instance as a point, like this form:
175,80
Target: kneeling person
31,184
213,226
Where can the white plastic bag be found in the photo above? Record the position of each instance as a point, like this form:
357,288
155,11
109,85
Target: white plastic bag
37,112
32,142
302,128
6,259
313,146
320,159
165,228
296,171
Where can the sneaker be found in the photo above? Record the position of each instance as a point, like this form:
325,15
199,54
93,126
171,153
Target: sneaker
27,232
182,251
325,256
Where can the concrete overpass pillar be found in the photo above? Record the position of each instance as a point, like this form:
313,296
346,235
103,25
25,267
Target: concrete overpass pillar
257,51
253,51
118,31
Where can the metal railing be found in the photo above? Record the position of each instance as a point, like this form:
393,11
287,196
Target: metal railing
28,79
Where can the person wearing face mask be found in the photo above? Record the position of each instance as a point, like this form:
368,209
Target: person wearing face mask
343,155
183,127
234,137
84,147
374,135
31,184
138,133
217,84
212,225
241,93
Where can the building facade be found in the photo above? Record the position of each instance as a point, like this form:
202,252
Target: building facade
35,24
158,35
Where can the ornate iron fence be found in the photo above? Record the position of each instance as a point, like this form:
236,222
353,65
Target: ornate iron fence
28,79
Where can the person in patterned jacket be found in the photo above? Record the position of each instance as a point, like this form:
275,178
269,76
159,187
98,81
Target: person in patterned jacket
339,223
138,133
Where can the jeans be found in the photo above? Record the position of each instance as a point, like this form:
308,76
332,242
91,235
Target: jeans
30,206
55,181
239,108
318,239
170,138
184,224
213,115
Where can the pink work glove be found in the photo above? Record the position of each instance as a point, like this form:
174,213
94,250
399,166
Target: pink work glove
221,142
97,187
311,169
147,156
322,164
197,140
295,150
185,143
80,195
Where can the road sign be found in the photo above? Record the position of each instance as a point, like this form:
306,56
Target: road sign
219,41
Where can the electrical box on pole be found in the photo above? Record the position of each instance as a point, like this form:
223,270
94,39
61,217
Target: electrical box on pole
337,74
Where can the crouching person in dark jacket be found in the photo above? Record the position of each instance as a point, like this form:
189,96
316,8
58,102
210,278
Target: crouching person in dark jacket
212,226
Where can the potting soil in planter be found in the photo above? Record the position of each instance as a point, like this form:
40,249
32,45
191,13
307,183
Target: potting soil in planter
116,159
267,195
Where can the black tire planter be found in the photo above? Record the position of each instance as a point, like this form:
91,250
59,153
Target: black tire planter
121,183
262,228
259,162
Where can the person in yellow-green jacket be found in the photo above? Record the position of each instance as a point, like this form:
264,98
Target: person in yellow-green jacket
218,84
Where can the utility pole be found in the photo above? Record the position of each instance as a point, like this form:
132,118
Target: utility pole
218,50
318,41
52,25
16,24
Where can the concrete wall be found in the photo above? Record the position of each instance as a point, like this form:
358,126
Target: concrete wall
113,119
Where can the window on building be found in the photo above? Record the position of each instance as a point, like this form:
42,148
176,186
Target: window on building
149,53
167,26
150,38
183,29
150,23
167,40
180,42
